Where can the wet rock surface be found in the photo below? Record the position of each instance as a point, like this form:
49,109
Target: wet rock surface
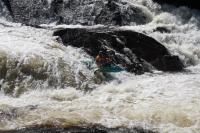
81,129
85,12
31,12
134,51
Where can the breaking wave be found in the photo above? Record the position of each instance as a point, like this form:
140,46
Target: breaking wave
44,82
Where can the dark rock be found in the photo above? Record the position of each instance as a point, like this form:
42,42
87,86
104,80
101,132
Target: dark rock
169,63
133,50
162,30
189,3
119,13
80,129
85,12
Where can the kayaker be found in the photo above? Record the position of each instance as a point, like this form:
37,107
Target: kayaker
103,59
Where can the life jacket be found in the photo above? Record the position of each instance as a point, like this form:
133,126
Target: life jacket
102,60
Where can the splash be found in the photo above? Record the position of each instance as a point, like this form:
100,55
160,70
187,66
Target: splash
164,102
32,58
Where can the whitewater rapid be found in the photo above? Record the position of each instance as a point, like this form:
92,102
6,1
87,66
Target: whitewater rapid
164,102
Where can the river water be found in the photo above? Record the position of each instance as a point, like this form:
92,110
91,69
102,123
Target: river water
43,85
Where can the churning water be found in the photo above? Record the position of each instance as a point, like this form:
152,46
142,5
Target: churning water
44,82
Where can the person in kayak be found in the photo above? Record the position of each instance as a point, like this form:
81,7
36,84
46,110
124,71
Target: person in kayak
103,59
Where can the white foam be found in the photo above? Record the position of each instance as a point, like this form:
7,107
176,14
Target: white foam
183,23
165,102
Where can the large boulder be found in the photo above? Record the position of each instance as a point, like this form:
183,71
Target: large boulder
135,51
188,3
85,12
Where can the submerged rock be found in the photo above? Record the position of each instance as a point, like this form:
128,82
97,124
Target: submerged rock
161,30
134,51
85,12
82,129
